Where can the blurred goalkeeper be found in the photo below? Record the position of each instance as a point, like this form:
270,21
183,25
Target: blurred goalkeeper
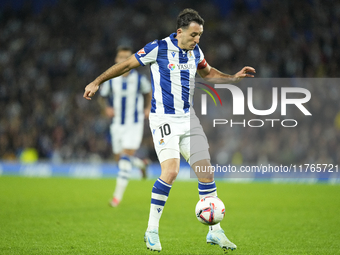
128,100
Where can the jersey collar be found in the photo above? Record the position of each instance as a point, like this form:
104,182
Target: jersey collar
175,41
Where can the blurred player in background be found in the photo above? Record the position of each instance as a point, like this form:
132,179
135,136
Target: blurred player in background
176,130
128,100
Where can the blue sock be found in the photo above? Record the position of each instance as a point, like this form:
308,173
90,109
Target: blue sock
207,189
125,166
159,195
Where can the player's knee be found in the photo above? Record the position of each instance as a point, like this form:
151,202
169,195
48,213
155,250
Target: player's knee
201,158
124,163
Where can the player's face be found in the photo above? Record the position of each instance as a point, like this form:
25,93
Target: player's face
190,36
123,55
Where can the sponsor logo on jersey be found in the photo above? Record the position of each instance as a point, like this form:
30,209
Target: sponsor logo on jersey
171,67
173,54
186,66
140,52
181,66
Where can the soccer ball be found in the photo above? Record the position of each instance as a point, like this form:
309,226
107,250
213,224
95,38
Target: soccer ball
210,210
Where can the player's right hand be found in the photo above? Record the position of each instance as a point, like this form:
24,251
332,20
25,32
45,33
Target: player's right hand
90,90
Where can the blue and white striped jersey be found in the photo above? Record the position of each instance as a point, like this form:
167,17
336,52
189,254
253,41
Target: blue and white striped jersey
125,95
172,71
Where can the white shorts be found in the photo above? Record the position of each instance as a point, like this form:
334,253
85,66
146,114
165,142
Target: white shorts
126,136
173,135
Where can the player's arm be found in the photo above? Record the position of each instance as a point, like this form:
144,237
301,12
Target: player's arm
147,103
210,73
112,72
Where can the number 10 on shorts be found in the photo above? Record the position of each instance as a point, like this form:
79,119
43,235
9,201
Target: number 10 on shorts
165,130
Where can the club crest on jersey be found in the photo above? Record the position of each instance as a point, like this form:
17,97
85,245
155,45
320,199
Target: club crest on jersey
191,55
140,52
173,54
171,67
161,142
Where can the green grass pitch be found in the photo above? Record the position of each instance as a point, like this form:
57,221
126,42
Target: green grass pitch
72,216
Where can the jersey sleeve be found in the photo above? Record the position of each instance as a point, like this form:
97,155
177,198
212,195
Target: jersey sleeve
201,55
148,54
202,63
105,89
145,85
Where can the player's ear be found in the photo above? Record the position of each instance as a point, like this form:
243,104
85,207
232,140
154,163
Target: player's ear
179,31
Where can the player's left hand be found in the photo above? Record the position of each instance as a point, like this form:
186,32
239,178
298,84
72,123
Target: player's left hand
244,73
90,90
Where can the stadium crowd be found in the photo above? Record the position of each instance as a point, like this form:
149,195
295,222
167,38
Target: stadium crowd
47,57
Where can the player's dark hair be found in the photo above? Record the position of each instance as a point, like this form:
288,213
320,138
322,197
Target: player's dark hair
124,48
187,16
